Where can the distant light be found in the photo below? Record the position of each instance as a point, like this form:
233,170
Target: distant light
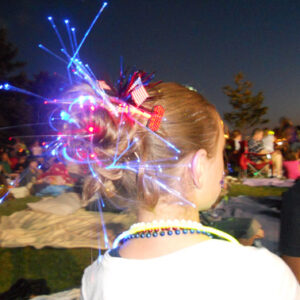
50,18
91,129
92,108
73,28
66,21
45,102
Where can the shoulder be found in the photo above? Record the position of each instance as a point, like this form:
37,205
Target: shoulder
256,266
89,279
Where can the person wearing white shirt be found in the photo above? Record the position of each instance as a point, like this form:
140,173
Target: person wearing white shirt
168,254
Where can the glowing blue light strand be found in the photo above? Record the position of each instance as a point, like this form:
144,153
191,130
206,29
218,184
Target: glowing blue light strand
69,34
91,72
105,236
69,76
118,135
122,154
73,30
52,53
158,136
23,125
69,158
171,191
3,197
9,87
87,33
57,33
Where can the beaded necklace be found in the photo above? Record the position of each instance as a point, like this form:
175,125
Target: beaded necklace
168,228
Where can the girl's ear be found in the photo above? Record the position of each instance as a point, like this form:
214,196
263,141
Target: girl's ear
198,167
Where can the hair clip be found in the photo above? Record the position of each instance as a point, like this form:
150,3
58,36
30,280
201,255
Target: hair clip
156,116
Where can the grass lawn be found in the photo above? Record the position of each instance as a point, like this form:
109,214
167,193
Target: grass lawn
255,191
63,268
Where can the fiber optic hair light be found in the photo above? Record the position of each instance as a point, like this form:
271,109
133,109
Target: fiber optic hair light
111,129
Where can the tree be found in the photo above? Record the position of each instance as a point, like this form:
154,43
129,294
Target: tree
248,110
50,86
14,109
8,53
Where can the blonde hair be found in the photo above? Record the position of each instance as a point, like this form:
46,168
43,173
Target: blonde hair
190,123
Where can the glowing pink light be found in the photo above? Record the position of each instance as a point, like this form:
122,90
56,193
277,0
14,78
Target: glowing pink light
91,129
92,108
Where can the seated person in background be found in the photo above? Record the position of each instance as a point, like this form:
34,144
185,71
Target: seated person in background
255,144
6,163
292,165
268,140
36,149
236,136
21,165
30,173
3,181
13,158
268,144
233,147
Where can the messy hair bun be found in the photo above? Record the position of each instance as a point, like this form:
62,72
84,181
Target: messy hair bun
133,165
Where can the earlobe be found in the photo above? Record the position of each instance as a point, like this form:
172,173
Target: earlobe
198,167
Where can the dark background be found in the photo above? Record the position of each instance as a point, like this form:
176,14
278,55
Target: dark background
203,43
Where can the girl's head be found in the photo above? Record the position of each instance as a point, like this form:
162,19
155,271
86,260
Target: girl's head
4,156
147,170
236,135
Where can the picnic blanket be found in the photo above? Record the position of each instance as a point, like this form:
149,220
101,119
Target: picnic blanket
266,210
56,175
73,294
269,182
81,229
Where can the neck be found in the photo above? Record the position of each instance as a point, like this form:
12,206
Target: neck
168,212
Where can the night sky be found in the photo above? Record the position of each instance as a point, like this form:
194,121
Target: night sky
202,43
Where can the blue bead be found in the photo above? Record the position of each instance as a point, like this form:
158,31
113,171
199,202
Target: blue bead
136,235
170,232
162,233
192,230
184,231
148,235
199,231
155,234
177,231
142,235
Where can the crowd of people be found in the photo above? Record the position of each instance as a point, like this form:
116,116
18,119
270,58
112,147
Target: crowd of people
21,163
277,150
33,167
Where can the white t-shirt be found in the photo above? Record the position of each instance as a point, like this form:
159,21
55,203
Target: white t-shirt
268,142
212,270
